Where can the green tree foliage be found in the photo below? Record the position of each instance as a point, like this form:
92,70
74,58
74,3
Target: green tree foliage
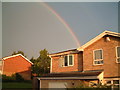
19,52
32,60
95,86
41,64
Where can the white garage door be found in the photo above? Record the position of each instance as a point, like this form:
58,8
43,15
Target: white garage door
57,85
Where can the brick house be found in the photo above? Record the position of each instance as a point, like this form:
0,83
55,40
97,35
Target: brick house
17,64
96,61
0,66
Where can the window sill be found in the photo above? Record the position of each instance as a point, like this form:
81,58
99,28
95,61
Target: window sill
68,66
97,64
117,62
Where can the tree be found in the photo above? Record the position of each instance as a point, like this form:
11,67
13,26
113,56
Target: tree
19,52
32,60
42,63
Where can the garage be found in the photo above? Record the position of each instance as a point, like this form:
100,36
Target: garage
66,80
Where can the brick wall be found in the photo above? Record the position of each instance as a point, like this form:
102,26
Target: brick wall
17,65
56,67
111,68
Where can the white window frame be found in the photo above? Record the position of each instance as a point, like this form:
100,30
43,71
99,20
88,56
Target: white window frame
98,59
68,60
112,82
117,55
51,65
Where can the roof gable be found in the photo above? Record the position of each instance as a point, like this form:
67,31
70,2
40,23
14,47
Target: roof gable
5,58
97,38
72,51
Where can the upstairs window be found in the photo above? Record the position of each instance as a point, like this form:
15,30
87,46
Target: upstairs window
68,60
98,57
118,54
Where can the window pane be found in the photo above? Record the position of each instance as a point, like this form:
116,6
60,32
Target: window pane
70,60
95,62
115,81
101,61
66,61
118,51
98,54
118,60
98,62
108,82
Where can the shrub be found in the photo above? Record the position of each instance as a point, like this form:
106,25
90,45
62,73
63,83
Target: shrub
98,86
8,78
19,77
14,77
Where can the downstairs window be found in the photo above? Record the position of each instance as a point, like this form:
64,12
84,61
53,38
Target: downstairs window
118,54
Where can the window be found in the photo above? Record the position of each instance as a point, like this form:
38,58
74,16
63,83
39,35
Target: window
68,60
118,54
113,83
98,57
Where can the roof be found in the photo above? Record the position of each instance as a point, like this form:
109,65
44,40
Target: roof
97,38
5,58
87,44
71,51
74,74
86,75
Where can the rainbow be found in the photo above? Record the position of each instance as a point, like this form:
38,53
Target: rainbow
63,22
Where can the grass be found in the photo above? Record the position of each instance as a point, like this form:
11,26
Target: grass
14,85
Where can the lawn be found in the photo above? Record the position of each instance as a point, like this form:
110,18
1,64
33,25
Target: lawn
17,85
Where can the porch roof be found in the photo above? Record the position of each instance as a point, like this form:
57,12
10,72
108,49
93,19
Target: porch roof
73,75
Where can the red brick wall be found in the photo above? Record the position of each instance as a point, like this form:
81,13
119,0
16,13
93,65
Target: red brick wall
17,65
76,67
111,68
80,61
